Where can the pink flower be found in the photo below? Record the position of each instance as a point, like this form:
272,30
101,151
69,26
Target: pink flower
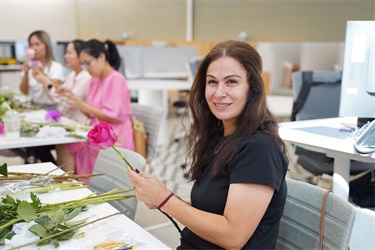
37,64
30,53
103,136
53,115
1,129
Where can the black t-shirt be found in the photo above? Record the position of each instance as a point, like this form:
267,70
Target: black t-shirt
259,161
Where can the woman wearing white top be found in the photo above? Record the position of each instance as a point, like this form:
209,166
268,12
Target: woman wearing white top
39,76
76,83
42,72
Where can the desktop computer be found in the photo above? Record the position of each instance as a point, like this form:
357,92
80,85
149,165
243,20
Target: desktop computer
358,81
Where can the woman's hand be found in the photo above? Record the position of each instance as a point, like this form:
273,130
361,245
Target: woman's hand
148,188
40,77
25,67
74,101
62,91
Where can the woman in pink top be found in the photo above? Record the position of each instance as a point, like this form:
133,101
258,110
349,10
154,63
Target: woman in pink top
108,99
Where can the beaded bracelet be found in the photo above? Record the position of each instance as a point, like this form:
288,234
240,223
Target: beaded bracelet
165,201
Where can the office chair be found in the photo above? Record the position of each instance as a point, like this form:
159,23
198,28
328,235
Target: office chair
300,222
116,177
316,96
151,117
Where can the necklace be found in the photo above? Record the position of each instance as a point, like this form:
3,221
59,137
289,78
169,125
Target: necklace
217,150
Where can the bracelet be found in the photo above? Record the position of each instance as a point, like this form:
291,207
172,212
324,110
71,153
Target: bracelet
165,201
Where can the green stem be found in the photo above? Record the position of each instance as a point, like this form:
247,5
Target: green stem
68,230
122,157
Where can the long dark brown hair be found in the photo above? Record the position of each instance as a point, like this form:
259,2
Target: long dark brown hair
206,131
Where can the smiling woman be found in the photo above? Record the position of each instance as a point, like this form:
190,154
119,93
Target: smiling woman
237,158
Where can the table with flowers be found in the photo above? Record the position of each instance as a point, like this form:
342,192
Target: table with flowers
117,228
47,135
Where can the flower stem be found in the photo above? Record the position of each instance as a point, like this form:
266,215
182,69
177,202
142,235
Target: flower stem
68,230
123,158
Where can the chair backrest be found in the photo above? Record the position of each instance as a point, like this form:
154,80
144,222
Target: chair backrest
323,100
151,117
115,176
300,223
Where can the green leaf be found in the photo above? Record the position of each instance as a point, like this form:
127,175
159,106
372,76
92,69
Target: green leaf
9,200
6,234
46,222
35,200
26,211
55,243
4,170
65,236
72,214
57,215
43,242
38,230
74,223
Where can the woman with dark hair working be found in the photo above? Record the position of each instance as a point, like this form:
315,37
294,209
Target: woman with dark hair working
238,160
108,99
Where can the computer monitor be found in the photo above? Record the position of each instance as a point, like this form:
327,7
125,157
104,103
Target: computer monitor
20,47
7,50
358,81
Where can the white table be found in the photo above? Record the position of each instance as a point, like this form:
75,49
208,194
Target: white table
154,92
98,232
38,116
338,147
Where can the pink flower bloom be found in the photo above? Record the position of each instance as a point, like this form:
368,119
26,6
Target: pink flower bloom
30,53
102,136
53,115
1,129
37,64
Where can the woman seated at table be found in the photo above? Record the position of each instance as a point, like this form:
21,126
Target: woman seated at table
238,163
108,99
76,83
42,71
39,73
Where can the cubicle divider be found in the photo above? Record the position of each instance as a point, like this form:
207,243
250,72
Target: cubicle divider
156,62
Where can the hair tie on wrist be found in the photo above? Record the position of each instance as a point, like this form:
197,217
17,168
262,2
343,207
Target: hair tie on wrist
165,201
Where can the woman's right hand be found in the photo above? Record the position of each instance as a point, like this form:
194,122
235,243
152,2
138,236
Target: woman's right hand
25,68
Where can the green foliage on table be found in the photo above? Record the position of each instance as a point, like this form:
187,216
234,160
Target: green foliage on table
4,170
53,221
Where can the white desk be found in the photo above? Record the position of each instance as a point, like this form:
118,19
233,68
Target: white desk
341,149
38,116
100,231
154,92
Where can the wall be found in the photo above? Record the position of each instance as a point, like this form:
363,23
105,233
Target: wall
18,18
279,20
263,20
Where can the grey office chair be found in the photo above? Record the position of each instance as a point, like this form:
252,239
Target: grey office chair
316,96
151,117
300,222
115,176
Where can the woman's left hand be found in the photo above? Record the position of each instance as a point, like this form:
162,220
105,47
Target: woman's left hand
74,101
40,76
148,188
